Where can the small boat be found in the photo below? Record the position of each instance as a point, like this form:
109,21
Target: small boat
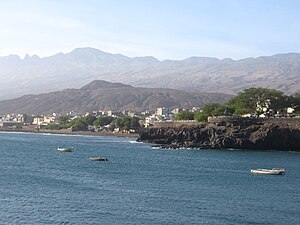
98,158
274,171
66,149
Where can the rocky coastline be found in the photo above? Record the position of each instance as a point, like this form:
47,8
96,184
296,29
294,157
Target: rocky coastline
252,134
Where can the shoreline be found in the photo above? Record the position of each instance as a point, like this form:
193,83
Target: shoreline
68,132
248,134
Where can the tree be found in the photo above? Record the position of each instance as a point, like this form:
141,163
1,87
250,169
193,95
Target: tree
258,101
53,126
213,109
200,117
134,124
64,120
294,101
277,100
185,115
89,119
102,121
18,126
79,123
127,123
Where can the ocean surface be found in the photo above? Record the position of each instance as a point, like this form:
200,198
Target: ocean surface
141,185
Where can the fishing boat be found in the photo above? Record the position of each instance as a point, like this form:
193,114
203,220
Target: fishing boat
274,171
65,149
98,158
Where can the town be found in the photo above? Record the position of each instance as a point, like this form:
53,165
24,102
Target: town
101,120
252,102
111,120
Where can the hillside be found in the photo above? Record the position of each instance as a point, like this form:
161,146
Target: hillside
33,75
106,96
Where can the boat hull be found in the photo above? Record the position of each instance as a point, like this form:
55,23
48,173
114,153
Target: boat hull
65,149
98,159
268,172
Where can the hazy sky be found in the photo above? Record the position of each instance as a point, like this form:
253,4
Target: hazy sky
165,29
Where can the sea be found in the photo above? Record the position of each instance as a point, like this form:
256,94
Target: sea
140,184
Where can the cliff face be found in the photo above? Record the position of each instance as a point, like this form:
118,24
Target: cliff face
245,134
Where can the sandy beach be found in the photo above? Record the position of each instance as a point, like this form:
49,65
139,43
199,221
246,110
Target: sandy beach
30,129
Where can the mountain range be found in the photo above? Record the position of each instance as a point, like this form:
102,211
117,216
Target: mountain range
103,95
34,75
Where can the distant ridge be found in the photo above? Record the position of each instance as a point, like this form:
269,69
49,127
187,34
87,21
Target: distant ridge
33,75
102,95
97,84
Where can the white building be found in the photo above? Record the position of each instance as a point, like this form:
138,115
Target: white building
162,111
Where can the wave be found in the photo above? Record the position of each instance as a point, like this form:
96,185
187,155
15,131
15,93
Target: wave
136,142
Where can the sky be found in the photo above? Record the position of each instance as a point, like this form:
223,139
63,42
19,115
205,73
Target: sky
165,29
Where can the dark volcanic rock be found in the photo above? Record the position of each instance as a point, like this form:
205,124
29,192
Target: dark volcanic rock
247,134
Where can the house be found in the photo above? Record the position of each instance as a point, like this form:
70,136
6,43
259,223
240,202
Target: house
162,111
44,120
10,123
149,120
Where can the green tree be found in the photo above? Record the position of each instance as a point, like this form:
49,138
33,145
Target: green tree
277,100
64,120
127,123
200,116
294,101
18,126
89,119
79,123
112,126
185,115
118,122
134,123
102,121
213,109
256,100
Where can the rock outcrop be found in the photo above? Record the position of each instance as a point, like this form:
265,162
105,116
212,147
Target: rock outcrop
244,134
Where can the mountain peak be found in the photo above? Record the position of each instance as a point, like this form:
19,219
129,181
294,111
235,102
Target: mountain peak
197,74
88,50
146,58
103,95
97,84
10,58
31,58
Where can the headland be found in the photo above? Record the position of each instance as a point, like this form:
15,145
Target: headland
230,133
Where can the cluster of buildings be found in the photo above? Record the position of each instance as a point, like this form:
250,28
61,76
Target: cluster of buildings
15,120
147,118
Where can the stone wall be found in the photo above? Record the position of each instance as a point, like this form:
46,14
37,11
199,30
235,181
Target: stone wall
225,119
239,120
179,123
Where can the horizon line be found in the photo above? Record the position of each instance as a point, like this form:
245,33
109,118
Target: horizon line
28,55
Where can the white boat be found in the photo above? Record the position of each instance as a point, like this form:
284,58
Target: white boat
66,149
274,171
98,158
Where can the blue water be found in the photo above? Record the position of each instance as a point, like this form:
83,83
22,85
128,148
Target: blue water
141,185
